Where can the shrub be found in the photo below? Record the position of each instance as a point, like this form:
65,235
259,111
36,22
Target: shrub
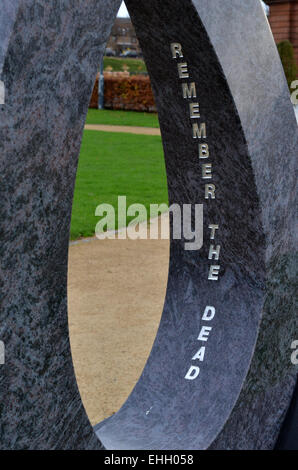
286,52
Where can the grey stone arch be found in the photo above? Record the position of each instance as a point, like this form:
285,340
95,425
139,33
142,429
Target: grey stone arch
49,55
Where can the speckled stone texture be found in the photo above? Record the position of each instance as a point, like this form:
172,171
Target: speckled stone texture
48,61
7,19
246,382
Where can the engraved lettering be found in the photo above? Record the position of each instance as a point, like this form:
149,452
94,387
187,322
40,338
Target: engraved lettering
209,313
203,151
204,333
209,191
192,373
213,273
189,90
207,171
194,110
176,49
199,132
213,228
183,70
214,252
200,354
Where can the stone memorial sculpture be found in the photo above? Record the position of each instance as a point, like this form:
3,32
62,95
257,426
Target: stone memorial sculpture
219,375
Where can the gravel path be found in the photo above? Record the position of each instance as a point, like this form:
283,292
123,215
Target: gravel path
116,291
125,129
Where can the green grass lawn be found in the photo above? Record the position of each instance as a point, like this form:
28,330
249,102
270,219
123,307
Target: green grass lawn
135,66
122,118
111,165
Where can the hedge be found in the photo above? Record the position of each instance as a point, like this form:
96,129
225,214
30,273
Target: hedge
286,52
122,91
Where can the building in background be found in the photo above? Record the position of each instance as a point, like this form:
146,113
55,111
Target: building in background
283,19
123,37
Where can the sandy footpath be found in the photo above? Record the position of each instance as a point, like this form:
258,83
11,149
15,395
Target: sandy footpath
116,291
125,129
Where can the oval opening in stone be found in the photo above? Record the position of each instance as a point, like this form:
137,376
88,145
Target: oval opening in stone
116,288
